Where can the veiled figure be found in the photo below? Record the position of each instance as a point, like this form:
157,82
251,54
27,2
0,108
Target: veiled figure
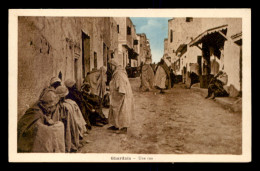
38,128
97,81
162,79
69,113
147,77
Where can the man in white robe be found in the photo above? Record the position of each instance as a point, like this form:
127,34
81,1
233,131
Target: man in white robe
121,99
162,79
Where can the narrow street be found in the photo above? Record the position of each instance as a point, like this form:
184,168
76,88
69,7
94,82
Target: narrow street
181,121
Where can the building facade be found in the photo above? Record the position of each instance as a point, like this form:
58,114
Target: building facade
127,47
210,45
66,46
144,49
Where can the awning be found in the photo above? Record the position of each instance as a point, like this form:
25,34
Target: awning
199,39
132,54
237,38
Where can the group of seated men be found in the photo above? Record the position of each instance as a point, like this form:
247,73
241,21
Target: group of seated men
60,118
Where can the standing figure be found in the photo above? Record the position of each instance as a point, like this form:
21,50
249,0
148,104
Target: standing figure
97,80
147,77
162,79
121,99
172,75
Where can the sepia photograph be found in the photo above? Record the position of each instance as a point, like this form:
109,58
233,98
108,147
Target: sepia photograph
133,85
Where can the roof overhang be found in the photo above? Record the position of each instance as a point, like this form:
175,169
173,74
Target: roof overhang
132,54
182,49
221,30
237,38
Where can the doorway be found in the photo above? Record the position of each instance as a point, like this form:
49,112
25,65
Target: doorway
76,71
85,54
95,60
199,63
104,55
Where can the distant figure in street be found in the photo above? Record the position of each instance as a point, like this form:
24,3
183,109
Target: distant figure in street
147,77
216,85
121,99
172,76
38,128
162,79
69,113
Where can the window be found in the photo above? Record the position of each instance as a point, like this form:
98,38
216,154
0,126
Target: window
95,60
117,28
135,42
128,30
104,55
189,19
140,45
171,35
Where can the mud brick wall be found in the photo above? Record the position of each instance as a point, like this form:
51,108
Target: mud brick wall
49,45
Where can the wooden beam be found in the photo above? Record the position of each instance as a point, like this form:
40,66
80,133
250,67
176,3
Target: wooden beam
223,35
198,46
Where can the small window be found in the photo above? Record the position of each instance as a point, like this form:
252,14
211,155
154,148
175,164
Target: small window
140,45
135,42
117,28
171,36
128,30
189,19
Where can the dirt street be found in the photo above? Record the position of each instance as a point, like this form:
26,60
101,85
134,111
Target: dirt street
178,122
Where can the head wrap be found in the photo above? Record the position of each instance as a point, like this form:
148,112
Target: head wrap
69,83
147,62
113,62
104,68
49,98
54,80
94,69
62,91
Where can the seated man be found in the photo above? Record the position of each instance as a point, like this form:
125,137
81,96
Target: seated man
216,86
93,102
76,96
38,130
54,83
69,113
